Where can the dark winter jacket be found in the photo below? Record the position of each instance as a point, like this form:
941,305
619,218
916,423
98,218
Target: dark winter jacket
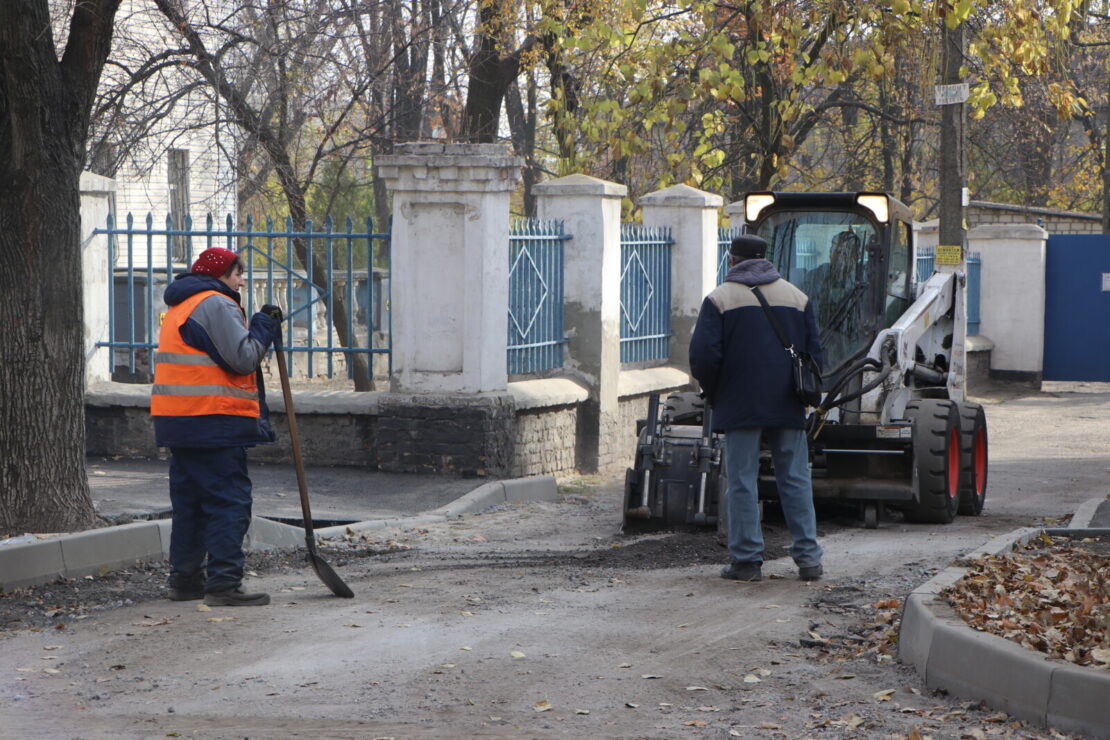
216,327
738,359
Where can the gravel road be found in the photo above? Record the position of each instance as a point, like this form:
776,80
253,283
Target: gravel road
542,620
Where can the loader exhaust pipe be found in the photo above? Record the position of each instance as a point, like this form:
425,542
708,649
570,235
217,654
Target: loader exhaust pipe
646,453
705,454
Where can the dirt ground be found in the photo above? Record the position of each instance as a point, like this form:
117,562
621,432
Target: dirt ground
544,621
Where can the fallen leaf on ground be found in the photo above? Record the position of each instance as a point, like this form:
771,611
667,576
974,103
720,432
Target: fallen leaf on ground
649,675
51,647
631,705
752,678
542,706
697,688
581,711
770,725
884,695
695,723
203,608
516,654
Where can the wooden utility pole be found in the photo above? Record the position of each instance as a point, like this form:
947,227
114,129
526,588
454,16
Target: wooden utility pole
953,172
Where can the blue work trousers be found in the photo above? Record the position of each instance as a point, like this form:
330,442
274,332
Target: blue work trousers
211,497
790,453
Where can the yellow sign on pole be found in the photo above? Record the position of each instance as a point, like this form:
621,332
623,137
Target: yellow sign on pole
949,254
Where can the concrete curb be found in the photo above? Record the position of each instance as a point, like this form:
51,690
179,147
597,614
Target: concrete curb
100,550
948,654
1085,513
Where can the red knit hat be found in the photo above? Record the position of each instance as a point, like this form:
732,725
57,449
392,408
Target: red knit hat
214,261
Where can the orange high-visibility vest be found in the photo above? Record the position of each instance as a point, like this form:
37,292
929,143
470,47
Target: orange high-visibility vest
188,382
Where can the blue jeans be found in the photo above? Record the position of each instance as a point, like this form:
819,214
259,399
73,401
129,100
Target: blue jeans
211,498
791,456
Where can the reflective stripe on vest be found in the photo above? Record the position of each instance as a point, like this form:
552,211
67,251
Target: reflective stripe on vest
188,382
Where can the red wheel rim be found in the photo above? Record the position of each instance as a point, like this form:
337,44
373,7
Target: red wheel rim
980,464
954,463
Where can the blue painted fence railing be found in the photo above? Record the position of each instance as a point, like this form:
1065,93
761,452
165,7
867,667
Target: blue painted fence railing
536,340
355,266
926,264
645,293
974,275
724,241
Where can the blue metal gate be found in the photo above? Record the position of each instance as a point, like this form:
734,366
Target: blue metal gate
645,293
1077,308
142,257
535,296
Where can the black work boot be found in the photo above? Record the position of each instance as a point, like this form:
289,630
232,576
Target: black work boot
743,572
810,572
235,597
187,593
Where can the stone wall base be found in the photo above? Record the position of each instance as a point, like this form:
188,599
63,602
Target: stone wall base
534,429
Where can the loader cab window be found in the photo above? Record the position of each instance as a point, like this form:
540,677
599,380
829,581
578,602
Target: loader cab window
828,254
898,273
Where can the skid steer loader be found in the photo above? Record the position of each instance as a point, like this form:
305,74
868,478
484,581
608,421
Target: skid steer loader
894,428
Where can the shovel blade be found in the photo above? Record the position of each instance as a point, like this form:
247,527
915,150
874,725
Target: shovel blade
330,578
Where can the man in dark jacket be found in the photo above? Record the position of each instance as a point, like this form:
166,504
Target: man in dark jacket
747,377
209,405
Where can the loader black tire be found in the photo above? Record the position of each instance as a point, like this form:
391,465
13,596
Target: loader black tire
936,460
684,408
973,459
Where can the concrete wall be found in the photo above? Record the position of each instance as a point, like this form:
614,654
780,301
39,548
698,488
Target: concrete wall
1012,296
985,213
532,429
96,201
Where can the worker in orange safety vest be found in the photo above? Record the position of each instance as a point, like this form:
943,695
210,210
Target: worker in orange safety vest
208,404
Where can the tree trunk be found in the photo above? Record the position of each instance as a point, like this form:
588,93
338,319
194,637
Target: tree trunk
489,74
44,114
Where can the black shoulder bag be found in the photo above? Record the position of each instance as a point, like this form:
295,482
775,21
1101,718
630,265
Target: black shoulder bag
807,376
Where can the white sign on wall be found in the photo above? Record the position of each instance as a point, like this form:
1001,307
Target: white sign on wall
1105,282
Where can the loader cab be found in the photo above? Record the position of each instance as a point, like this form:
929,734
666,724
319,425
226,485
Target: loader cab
849,252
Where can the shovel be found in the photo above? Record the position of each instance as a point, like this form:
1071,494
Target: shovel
323,570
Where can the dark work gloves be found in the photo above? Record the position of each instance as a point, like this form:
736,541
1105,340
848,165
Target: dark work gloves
274,312
265,327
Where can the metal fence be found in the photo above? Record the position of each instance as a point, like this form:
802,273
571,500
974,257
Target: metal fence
926,265
536,340
645,293
311,274
724,241
974,273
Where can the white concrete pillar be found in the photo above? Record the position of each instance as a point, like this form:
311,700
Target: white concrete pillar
1012,296
692,216
450,265
590,210
96,202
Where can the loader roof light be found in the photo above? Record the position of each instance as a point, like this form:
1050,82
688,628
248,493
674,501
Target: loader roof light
755,203
877,204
